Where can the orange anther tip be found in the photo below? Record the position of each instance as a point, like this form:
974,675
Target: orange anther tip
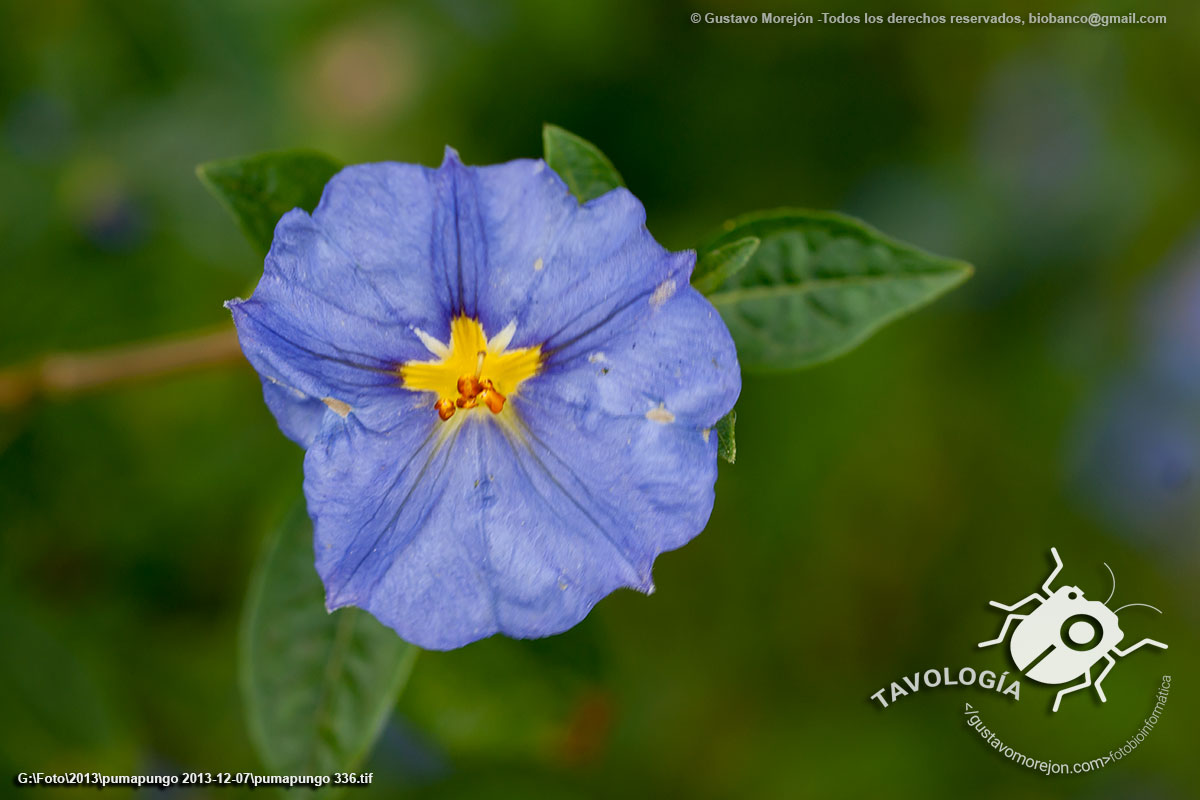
492,399
445,409
468,386
466,402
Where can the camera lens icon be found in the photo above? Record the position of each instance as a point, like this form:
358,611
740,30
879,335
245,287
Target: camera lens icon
1081,632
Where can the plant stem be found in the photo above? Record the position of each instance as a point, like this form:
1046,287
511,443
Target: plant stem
60,374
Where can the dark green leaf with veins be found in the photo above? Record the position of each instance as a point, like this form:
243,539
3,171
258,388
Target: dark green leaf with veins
726,445
819,284
715,267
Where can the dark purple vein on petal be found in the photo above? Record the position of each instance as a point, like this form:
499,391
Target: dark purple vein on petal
558,484
553,351
447,447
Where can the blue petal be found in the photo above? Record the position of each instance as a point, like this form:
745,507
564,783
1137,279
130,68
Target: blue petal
561,270
322,327
392,249
468,539
448,540
486,534
629,427
671,360
299,416
414,231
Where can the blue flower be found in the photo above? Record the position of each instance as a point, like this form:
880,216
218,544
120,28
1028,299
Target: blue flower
506,398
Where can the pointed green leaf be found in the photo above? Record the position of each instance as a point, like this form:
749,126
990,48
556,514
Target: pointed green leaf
726,446
715,267
258,190
819,284
317,686
587,172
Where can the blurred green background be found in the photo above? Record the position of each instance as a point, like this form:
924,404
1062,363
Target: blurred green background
877,504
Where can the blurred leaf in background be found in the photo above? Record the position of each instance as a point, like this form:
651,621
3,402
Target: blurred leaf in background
318,686
587,172
258,190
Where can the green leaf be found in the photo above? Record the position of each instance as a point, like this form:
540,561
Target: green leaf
726,446
317,686
715,267
819,284
258,190
587,172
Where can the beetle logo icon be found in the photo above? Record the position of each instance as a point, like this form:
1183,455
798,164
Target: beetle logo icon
1066,635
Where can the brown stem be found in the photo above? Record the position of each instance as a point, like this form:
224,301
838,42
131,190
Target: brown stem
68,373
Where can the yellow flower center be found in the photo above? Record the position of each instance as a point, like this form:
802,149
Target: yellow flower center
472,370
